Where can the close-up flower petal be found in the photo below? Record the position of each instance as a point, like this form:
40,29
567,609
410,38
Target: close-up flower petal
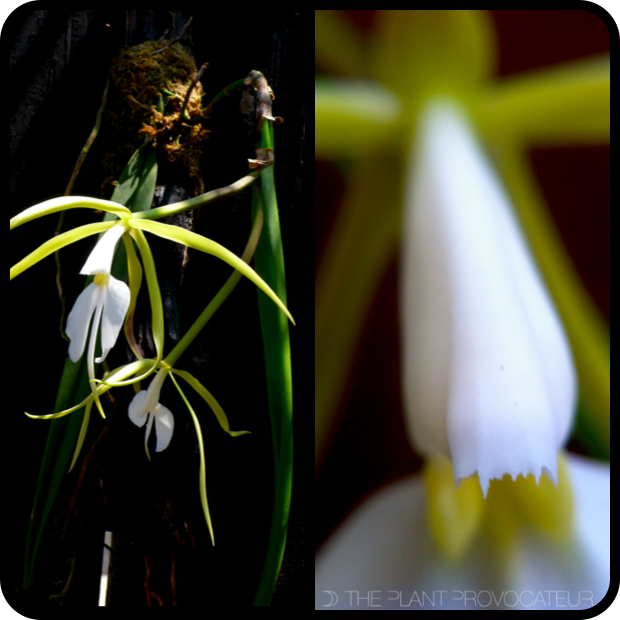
137,413
113,317
79,319
164,426
487,373
462,306
100,259
146,406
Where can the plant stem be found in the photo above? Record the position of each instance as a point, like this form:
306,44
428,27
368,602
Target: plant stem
226,92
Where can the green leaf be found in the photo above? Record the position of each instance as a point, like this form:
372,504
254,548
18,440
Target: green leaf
269,263
131,176
73,389
142,199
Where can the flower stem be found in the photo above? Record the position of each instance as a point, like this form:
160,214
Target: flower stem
192,203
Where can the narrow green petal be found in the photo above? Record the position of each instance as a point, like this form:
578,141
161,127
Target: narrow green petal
193,240
122,372
353,116
210,400
154,292
56,243
364,239
60,414
67,202
82,435
203,467
119,373
157,308
134,270
564,104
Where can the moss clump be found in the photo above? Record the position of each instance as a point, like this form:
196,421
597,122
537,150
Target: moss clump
146,97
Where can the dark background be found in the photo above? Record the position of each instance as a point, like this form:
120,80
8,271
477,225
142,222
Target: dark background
370,447
59,61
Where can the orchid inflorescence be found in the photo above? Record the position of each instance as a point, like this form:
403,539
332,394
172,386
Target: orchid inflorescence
107,304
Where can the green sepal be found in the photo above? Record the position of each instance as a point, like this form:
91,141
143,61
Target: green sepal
210,400
198,242
134,274
157,308
82,435
56,243
54,205
203,468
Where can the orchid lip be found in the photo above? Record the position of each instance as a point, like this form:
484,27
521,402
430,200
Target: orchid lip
487,370
105,297
146,408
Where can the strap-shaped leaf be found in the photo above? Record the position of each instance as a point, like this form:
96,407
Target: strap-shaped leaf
59,447
131,176
269,261
142,200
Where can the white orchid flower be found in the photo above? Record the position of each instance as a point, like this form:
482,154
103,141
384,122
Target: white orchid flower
488,376
146,406
487,373
99,264
106,299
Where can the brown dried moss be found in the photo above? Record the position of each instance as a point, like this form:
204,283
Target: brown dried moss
146,97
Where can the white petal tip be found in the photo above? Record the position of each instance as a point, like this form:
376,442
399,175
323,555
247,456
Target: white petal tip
485,481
